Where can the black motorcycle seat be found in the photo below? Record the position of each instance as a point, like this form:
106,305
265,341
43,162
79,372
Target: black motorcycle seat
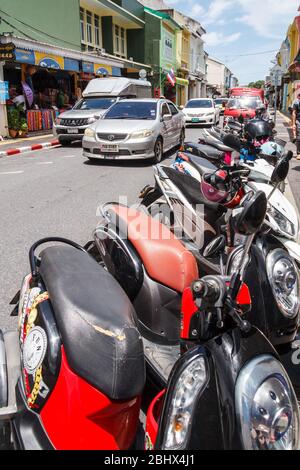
217,144
201,164
203,150
96,321
190,188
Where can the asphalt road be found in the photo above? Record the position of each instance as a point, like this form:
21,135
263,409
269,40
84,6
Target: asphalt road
56,192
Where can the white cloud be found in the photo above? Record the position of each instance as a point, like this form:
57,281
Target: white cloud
216,9
266,16
196,11
215,38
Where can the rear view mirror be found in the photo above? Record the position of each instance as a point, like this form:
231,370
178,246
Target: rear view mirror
281,169
252,214
233,142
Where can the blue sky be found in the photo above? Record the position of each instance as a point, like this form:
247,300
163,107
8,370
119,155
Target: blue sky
236,27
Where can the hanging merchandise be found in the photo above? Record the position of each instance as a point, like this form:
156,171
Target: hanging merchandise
28,93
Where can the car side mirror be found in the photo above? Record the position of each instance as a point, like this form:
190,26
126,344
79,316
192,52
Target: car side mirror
167,117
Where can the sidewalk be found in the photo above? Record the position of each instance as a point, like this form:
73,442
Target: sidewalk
16,143
285,132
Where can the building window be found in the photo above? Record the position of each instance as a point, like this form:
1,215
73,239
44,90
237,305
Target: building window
90,28
97,29
89,34
82,21
120,41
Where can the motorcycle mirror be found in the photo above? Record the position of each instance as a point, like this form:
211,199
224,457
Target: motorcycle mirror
281,170
215,247
251,216
233,142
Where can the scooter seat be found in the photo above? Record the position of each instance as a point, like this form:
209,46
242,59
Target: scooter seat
203,150
96,321
165,258
217,144
201,164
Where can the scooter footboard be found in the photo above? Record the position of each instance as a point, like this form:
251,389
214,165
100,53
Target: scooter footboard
10,373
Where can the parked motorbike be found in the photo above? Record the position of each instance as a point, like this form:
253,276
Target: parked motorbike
198,360
181,193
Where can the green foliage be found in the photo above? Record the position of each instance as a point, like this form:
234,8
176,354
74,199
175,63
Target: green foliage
259,84
13,117
23,124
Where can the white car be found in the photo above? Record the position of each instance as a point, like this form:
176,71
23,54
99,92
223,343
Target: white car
201,111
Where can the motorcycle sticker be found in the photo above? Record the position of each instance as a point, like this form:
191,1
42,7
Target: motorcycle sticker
35,347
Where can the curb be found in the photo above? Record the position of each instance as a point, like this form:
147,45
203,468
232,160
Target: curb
17,151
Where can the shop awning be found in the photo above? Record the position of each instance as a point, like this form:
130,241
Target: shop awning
182,81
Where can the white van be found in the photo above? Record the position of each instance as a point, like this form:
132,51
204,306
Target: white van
99,95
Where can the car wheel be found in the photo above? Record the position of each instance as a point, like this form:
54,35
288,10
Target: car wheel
158,151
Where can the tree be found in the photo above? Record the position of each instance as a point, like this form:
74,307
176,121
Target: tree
258,84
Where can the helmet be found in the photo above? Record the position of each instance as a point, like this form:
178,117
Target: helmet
271,148
257,128
214,186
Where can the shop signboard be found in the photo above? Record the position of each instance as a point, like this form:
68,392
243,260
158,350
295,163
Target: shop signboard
71,65
25,57
7,51
4,93
100,69
49,61
87,67
168,49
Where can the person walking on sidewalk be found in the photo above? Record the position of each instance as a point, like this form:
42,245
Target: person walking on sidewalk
296,124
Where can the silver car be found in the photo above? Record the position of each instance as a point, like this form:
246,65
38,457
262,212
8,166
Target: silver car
70,125
135,129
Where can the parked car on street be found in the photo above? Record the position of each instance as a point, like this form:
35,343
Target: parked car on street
201,111
99,95
221,104
135,129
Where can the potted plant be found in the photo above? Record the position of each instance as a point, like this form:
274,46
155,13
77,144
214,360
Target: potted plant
13,117
23,127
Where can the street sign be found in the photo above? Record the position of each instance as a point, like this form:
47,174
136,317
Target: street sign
7,51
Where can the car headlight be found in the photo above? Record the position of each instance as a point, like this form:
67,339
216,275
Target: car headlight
89,132
141,134
190,383
58,121
266,406
280,223
210,114
91,120
284,280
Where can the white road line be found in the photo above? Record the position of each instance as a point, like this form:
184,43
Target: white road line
11,172
44,163
69,156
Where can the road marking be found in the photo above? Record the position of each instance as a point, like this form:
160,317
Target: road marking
69,156
11,172
44,163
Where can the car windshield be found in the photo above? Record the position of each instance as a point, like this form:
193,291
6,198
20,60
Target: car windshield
220,101
95,103
244,103
133,110
199,104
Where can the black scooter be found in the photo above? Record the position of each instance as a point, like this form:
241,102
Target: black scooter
219,381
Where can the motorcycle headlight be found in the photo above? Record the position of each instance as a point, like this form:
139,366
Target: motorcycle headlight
284,280
266,406
280,223
188,387
89,132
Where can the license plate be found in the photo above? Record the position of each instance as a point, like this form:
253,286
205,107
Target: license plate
109,156
195,120
109,148
73,131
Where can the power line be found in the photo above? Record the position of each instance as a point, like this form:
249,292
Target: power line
12,26
35,29
250,53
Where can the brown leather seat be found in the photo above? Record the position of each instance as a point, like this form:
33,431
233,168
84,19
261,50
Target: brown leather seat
165,258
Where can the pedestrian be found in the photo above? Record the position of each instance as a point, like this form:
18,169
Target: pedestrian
296,123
